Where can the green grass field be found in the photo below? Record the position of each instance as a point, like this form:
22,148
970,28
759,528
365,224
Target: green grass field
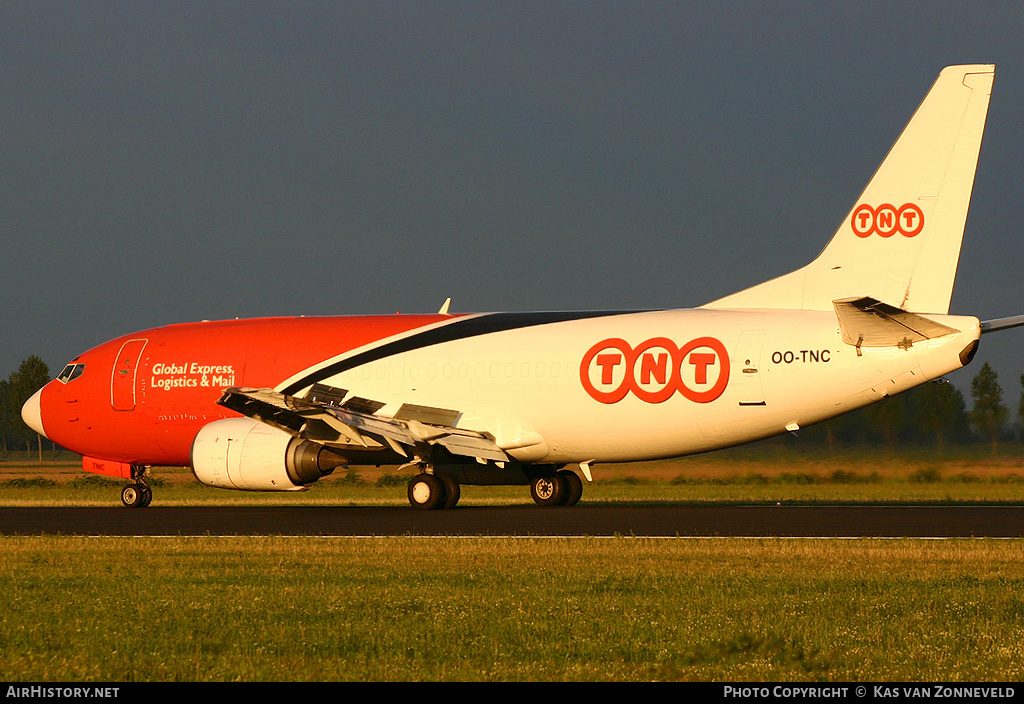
90,491
521,609
754,474
419,609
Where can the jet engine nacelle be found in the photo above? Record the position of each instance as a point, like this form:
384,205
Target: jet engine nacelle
241,453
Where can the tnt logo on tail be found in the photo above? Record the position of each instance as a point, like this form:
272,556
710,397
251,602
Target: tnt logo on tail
655,369
886,220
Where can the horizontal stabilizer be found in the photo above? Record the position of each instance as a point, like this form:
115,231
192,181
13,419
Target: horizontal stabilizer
867,322
1002,323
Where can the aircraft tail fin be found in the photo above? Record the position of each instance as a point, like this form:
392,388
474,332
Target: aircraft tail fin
900,243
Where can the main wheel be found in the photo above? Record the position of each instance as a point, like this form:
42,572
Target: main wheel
427,492
452,490
574,487
548,491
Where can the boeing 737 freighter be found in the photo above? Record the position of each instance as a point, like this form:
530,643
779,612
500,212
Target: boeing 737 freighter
538,398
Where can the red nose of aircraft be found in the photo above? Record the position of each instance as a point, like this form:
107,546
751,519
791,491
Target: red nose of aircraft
32,413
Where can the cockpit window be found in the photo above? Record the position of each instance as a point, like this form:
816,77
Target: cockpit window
71,372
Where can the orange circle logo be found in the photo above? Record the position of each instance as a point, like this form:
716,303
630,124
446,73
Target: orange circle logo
886,220
655,370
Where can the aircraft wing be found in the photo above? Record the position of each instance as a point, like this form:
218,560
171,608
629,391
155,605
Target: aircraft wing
331,416
867,322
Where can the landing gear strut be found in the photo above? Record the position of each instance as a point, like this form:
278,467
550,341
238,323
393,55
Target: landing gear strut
139,494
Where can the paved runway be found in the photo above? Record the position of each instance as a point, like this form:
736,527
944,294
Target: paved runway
527,520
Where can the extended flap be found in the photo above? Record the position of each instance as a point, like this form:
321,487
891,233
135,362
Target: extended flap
324,415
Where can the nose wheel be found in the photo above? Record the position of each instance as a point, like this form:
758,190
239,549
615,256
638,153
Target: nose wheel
136,496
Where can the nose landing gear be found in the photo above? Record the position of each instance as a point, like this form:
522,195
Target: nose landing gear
136,496
139,494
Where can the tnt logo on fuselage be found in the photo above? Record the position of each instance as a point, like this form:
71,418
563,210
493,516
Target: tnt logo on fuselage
886,220
655,369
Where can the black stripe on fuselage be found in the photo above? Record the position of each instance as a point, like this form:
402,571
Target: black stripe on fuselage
458,330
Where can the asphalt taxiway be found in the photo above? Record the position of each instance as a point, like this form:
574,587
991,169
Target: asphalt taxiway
526,520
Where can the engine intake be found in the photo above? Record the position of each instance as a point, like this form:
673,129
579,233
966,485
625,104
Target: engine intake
241,453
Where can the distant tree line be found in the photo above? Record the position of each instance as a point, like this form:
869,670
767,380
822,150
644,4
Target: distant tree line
934,413
931,414
30,376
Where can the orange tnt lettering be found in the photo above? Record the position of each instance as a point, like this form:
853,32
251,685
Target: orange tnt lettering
661,368
658,366
608,362
701,362
886,220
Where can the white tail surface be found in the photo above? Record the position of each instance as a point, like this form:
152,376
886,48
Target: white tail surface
901,241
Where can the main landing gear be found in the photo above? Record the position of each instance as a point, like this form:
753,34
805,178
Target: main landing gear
430,491
564,488
139,494
437,491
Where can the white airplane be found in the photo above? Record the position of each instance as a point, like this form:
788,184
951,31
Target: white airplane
522,398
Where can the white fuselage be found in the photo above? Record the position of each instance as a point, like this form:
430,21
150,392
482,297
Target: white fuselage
656,384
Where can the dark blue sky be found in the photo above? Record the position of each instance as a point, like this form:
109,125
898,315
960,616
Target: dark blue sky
172,161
